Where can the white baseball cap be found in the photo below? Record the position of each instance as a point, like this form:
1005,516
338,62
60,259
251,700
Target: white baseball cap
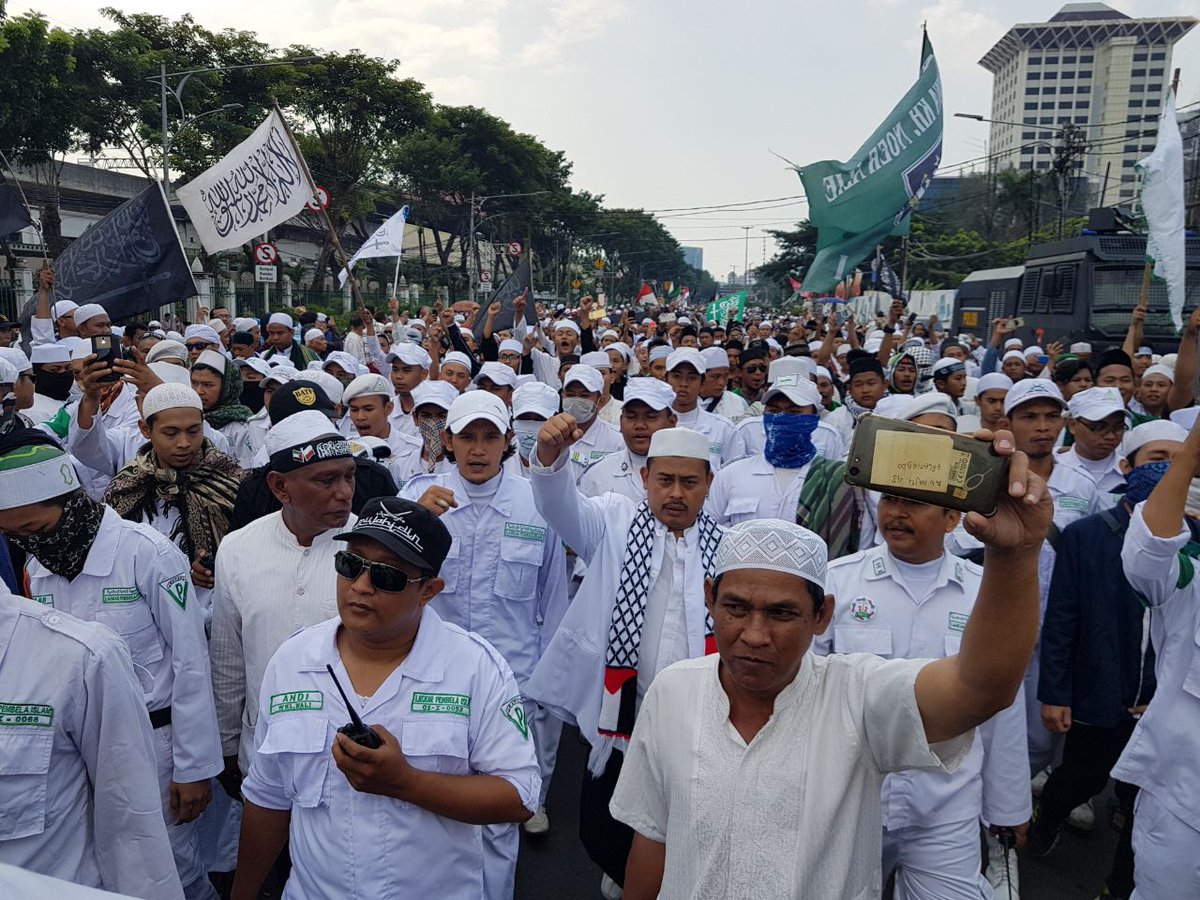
537,398
1096,403
434,393
588,376
409,354
1032,389
474,405
497,373
367,385
654,393
800,389
715,358
689,355
256,363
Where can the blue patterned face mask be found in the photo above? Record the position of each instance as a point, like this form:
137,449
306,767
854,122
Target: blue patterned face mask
1142,480
527,432
789,438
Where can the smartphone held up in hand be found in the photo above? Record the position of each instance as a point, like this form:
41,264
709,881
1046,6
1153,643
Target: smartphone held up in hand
107,348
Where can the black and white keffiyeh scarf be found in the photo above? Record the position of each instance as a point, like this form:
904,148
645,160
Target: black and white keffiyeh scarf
618,707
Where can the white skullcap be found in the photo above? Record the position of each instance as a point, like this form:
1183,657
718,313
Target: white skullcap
63,308
814,346
823,372
610,333
49,353
170,396
871,345
1096,403
1013,354
891,406
474,405
1169,359
1081,347
1013,343
624,349
1035,350
948,362
313,334
174,336
844,349
993,381
435,393
654,393
8,372
258,364
169,373
1165,371
647,321
927,403
17,358
800,389
689,355
774,344
88,311
1144,351
775,545
497,373
315,365
298,428
1158,430
213,360
82,350
588,376
567,323
597,359
244,323
456,358
662,351
1185,418
679,442
714,358
684,320
790,365
329,384
1032,389
281,375
218,325
280,319
367,385
117,330
508,345
203,332
408,353
459,318
33,474
321,317
537,398
344,361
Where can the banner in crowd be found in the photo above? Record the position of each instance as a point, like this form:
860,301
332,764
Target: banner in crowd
857,203
388,240
1162,204
128,262
13,214
260,184
720,309
521,280
884,277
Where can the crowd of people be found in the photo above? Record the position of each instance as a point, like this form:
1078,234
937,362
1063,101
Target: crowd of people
291,609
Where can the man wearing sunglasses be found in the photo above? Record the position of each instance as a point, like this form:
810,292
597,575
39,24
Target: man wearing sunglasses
198,338
401,819
275,574
754,374
1097,419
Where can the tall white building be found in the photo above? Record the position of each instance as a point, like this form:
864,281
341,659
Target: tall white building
1090,67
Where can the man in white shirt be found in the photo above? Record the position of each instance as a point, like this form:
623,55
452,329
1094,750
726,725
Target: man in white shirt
583,387
395,811
78,799
714,391
685,374
1159,558
275,575
720,740
368,399
409,367
912,600
1097,419
637,611
646,409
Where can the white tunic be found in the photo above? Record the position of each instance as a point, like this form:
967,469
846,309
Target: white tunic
267,586
717,429
750,437
79,799
597,442
617,472
795,813
454,707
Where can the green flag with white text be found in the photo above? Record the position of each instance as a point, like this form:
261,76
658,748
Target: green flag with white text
720,309
857,203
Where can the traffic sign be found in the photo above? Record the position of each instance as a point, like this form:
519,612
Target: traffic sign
514,248
319,201
576,284
599,263
266,274
266,254
486,287
485,277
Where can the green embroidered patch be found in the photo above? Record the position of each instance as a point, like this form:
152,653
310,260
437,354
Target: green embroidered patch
454,704
44,599
26,714
296,701
177,589
514,710
958,621
1066,501
120,595
524,532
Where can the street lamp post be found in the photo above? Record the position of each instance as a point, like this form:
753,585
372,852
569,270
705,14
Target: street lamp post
472,265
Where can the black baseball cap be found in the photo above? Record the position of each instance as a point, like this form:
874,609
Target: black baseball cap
296,396
405,528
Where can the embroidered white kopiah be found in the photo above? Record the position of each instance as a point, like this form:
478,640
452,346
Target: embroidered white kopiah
775,545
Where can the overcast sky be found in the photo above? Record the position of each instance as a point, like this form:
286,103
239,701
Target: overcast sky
666,105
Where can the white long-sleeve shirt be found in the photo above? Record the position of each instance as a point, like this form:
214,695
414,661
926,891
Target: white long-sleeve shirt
79,798
139,584
267,587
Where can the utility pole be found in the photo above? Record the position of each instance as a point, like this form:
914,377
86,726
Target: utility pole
746,258
166,139
471,253
1072,144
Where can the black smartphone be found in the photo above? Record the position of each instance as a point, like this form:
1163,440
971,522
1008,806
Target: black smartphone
107,348
926,464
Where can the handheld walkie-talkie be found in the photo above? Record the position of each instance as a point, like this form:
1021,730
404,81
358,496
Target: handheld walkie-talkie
356,730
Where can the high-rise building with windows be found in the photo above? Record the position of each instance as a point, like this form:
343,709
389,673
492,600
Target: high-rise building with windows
694,257
1090,67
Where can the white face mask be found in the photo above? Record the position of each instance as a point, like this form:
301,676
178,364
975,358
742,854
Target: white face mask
581,408
526,432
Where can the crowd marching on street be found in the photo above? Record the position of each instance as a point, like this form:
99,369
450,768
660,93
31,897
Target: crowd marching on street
287,609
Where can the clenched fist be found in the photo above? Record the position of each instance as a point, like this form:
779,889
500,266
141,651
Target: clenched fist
559,433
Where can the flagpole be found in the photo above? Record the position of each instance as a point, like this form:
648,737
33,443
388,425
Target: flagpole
37,226
324,211
1148,267
904,270
396,277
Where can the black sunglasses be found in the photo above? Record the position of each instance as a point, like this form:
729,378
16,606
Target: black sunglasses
754,369
199,345
383,577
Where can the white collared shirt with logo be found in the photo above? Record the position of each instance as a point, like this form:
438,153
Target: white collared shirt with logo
454,707
874,612
718,429
506,570
79,797
597,442
139,584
